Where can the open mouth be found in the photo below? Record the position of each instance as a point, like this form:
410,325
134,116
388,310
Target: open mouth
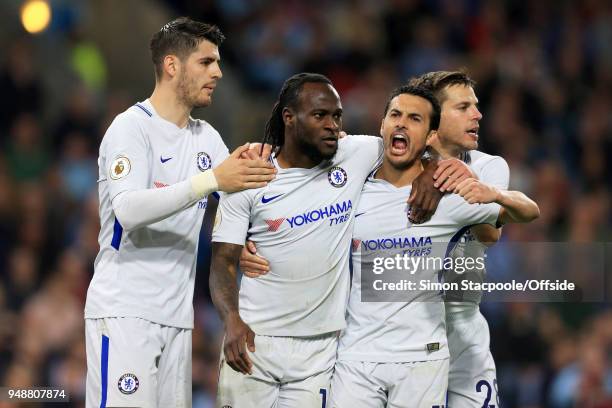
399,143
473,133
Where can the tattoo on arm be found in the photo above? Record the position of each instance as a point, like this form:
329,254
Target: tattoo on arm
222,281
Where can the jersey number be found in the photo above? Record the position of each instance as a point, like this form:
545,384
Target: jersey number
485,383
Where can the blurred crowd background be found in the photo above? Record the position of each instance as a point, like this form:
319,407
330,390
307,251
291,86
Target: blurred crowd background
544,74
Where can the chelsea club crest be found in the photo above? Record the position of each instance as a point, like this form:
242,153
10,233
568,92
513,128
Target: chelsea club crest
128,383
337,176
204,162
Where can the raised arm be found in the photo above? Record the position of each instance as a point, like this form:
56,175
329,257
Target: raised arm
516,206
224,292
438,177
138,208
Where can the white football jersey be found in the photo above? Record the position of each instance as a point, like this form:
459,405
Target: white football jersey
150,272
492,170
402,331
302,224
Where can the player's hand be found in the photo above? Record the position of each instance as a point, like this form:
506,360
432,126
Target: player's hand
342,134
257,151
236,174
450,173
238,337
476,192
251,264
424,197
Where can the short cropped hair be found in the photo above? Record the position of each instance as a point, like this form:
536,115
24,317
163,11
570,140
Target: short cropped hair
181,37
437,81
434,120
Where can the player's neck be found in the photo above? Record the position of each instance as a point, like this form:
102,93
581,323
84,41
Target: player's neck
291,156
446,151
166,104
399,177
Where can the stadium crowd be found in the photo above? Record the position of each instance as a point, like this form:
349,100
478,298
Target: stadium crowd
544,80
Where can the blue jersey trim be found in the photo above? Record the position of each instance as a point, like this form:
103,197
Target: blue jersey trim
216,195
104,371
451,245
455,239
144,109
117,234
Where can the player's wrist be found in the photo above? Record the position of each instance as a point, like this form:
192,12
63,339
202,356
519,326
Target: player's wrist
232,318
204,183
499,196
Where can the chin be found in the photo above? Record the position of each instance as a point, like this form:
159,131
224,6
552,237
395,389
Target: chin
203,104
400,163
327,155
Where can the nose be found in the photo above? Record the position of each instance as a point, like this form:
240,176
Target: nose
216,72
333,124
402,123
477,114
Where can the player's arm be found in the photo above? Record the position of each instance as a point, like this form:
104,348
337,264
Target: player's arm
224,292
516,207
486,233
438,177
138,208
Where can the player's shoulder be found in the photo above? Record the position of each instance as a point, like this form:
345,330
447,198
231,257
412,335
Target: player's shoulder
208,134
201,126
249,195
357,141
362,149
127,127
478,160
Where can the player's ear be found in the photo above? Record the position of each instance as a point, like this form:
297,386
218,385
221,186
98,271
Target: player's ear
171,65
288,116
382,124
433,134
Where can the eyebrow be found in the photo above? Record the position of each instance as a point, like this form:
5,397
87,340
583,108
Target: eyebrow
394,110
209,58
467,102
326,111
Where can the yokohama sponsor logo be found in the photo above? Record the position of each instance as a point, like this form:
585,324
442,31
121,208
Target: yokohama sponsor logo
336,213
333,210
274,225
159,184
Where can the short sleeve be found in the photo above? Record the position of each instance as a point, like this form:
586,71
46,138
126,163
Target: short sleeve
233,218
464,213
124,152
495,172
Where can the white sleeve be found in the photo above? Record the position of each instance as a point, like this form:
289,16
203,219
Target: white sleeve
125,166
370,148
135,209
495,172
233,218
125,151
463,213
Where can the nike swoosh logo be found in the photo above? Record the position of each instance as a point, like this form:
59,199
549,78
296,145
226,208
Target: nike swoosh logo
357,215
265,200
164,160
